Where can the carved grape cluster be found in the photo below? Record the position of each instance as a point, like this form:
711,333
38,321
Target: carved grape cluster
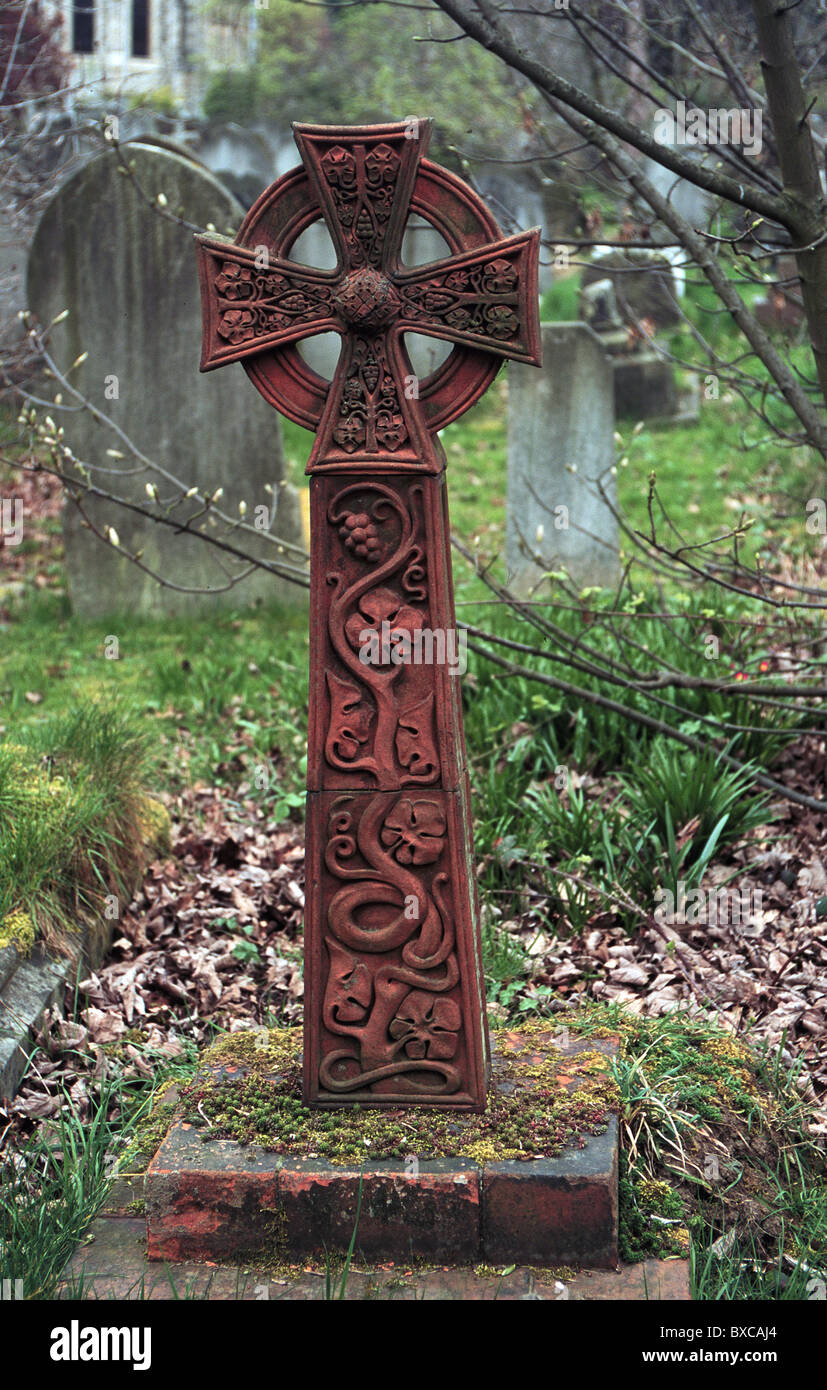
361,536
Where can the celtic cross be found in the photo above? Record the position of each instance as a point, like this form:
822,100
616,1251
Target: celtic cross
394,994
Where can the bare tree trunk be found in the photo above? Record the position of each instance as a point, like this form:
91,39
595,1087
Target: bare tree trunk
798,163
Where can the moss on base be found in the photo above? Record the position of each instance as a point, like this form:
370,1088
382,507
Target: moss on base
541,1100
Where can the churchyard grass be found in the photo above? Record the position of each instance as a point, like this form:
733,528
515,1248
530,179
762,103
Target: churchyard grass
224,701
62,1176
76,821
705,479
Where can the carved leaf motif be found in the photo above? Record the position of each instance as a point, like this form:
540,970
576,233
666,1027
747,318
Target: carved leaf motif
415,747
349,988
350,718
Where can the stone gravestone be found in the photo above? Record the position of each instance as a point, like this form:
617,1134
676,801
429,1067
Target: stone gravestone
394,1006
560,441
125,275
644,380
644,285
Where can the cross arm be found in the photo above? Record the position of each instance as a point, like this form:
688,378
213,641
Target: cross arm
249,306
484,298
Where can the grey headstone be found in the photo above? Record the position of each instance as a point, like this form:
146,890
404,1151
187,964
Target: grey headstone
645,387
560,444
598,306
129,280
644,285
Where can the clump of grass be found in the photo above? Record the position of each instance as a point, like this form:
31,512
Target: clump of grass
75,820
716,1143
55,1182
686,788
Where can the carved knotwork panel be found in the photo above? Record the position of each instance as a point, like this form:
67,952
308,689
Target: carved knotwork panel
390,949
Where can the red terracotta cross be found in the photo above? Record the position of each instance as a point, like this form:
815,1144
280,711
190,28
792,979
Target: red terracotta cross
394,994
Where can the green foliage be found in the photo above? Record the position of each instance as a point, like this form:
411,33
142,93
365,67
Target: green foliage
162,100
73,814
360,65
676,787
232,95
54,1184
649,1212
560,303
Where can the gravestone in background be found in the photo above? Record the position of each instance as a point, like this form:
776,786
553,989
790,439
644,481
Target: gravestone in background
644,379
125,275
560,418
644,285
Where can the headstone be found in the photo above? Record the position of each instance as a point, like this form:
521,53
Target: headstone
394,1000
598,306
644,379
645,387
125,275
560,443
644,285
694,204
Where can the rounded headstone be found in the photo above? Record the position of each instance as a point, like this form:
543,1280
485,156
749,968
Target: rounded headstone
560,446
129,280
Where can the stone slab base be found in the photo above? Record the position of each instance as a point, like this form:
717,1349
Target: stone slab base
218,1200
112,1264
28,987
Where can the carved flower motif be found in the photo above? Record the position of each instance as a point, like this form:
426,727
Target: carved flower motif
458,318
428,1024
501,321
237,325
457,280
350,434
235,281
499,277
414,831
274,284
378,607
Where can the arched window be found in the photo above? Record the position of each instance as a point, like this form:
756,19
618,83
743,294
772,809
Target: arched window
83,26
140,28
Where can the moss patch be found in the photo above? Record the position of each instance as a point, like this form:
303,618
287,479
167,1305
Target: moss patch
540,1102
17,929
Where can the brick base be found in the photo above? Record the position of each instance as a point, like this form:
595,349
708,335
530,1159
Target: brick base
218,1200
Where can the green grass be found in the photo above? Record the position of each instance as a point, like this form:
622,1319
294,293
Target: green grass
54,1184
716,1156
222,699
76,823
